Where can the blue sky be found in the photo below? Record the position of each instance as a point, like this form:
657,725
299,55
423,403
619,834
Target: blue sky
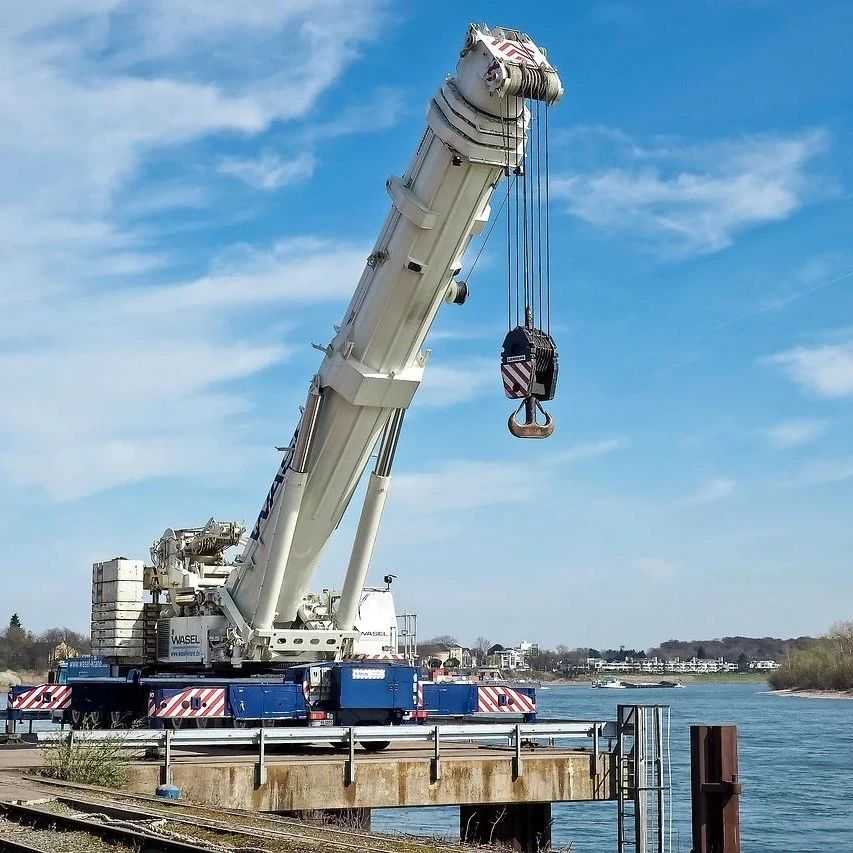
191,188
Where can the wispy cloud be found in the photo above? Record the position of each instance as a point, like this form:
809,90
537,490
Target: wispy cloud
795,433
463,485
687,198
124,386
591,450
823,370
814,275
448,386
825,471
375,112
117,376
711,491
269,171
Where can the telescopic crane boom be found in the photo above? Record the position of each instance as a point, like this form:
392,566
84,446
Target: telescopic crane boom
477,127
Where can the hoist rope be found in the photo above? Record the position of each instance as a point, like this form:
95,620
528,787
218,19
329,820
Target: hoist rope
547,226
483,242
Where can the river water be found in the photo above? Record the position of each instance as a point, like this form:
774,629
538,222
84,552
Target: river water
796,766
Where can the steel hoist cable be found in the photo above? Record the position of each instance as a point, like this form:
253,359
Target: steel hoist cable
529,362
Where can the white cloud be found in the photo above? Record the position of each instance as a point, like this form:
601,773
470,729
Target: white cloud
110,386
372,113
590,450
795,433
826,471
111,375
462,485
448,386
689,198
711,491
269,171
825,370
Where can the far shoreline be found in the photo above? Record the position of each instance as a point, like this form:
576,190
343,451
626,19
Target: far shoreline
812,694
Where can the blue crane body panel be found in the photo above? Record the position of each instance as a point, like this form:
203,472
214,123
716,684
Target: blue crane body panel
267,702
374,686
359,692
344,693
477,699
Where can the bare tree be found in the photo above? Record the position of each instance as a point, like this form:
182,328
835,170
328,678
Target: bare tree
482,646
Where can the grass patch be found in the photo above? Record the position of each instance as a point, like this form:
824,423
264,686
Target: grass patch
86,762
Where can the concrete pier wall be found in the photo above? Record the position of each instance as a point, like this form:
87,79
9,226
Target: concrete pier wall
294,785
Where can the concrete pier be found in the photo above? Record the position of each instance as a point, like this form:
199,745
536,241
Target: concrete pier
395,778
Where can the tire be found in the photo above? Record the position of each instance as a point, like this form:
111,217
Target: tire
375,745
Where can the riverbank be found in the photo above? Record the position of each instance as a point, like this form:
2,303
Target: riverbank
813,694
11,678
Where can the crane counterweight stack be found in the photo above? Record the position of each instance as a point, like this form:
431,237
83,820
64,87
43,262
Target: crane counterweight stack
478,131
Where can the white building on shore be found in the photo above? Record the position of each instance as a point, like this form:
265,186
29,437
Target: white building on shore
675,666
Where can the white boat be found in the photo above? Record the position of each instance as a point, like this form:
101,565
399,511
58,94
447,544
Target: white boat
610,684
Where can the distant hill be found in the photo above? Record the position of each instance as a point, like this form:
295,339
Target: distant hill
731,648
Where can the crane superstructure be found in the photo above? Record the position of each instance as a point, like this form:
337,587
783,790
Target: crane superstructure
261,613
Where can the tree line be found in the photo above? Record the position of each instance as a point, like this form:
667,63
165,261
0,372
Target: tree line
827,664
24,651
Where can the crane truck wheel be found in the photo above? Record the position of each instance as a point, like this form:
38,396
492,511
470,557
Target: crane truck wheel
375,745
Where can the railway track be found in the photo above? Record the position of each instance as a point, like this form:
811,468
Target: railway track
153,824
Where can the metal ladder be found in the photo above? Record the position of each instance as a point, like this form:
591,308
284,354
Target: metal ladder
643,779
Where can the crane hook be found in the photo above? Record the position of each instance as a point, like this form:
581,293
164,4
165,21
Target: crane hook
530,428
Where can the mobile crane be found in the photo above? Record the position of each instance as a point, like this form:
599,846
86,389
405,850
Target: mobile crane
477,125
256,615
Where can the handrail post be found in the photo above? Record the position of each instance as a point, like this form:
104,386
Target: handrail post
436,761
262,767
350,777
516,762
595,752
167,758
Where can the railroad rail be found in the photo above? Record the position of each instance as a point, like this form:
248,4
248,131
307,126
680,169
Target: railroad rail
127,804
159,828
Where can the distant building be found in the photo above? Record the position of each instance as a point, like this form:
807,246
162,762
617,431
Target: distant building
439,654
764,665
659,666
512,659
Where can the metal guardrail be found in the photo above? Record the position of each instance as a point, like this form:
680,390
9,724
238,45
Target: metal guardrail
142,738
516,735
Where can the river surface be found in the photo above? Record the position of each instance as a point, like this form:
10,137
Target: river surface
796,766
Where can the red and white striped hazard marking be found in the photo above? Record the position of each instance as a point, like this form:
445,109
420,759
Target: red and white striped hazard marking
517,376
504,700
191,703
515,51
45,697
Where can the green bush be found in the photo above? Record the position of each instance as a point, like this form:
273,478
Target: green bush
86,762
827,665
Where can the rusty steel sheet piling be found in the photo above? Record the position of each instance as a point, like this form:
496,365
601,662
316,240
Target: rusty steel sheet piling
715,789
